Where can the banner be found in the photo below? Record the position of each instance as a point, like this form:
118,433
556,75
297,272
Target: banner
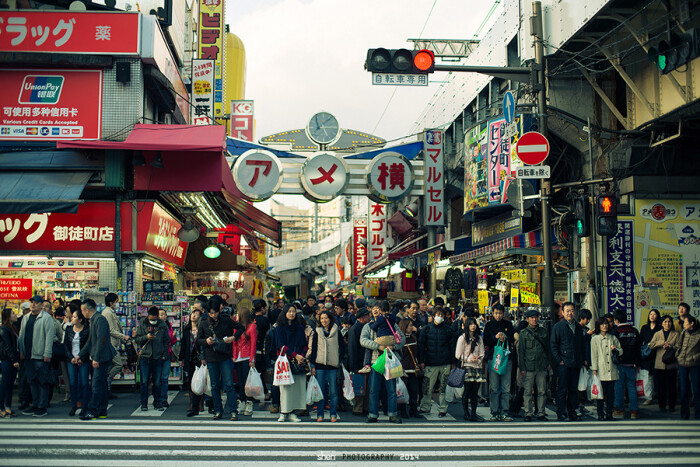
434,178
619,271
242,120
376,243
15,289
202,92
359,251
210,40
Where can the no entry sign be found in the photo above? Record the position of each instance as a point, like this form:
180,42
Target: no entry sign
532,148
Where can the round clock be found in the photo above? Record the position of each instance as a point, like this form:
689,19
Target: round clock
323,128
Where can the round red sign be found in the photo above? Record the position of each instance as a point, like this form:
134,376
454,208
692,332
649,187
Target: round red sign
532,148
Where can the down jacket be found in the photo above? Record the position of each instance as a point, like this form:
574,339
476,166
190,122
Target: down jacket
689,348
436,345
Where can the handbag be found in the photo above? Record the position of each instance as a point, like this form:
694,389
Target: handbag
397,339
615,357
131,355
456,377
669,356
295,367
499,364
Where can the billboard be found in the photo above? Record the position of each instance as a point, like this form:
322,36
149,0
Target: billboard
202,92
210,41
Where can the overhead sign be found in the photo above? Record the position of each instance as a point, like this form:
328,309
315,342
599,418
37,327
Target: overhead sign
377,235
399,79
162,240
359,251
324,176
389,177
434,178
210,42
532,148
74,32
15,289
509,107
242,120
51,104
258,174
620,276
202,91
536,171
496,228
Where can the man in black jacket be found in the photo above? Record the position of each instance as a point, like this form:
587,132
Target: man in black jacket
631,343
568,355
436,355
262,325
499,330
153,339
216,334
356,356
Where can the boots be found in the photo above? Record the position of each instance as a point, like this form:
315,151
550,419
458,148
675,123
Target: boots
465,405
474,417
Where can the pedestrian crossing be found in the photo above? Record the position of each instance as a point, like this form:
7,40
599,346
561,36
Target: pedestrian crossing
151,412
203,442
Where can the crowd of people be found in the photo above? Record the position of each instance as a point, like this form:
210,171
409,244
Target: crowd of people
509,365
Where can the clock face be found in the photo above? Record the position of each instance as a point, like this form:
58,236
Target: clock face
323,128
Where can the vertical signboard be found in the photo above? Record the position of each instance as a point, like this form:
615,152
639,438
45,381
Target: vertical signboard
359,251
242,120
376,242
210,40
202,91
434,178
619,273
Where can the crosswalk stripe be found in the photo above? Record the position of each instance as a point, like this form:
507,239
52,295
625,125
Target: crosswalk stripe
151,412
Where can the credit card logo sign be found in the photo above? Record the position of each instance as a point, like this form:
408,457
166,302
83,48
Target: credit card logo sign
5,130
40,89
44,131
55,131
32,130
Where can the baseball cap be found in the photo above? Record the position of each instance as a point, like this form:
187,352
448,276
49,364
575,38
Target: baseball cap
37,298
25,306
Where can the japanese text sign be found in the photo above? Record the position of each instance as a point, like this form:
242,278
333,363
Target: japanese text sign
359,252
389,177
202,92
377,235
619,273
399,79
324,176
70,32
15,289
51,104
434,178
242,120
210,43
258,174
162,240
498,161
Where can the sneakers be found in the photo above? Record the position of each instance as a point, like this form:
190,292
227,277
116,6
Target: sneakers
334,419
28,410
234,417
275,409
506,418
40,413
283,417
88,416
160,408
217,416
371,420
647,402
294,418
442,414
102,414
72,412
542,418
319,420
365,370
248,408
634,415
495,418
144,408
396,420
528,418
618,413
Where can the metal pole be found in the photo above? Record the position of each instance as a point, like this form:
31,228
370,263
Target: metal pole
548,278
592,240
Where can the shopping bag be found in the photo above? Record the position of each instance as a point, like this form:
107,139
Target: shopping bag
453,394
313,391
401,392
348,387
499,364
359,384
283,375
456,377
392,366
644,384
584,377
199,380
596,391
254,386
207,382
378,366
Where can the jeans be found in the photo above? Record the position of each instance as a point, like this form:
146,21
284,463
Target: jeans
78,376
536,378
330,395
242,370
40,389
376,381
627,379
567,390
608,397
24,390
411,381
690,379
666,388
9,372
499,388
164,374
151,368
433,374
100,391
221,375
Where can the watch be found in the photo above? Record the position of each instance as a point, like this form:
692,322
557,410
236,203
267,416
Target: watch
323,128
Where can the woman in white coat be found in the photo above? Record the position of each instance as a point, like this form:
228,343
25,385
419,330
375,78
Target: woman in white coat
603,346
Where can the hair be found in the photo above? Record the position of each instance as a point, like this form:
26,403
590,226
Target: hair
282,318
600,321
6,313
80,317
666,318
330,315
196,310
414,302
110,298
692,320
244,317
153,311
473,340
565,304
74,307
404,324
439,309
385,306
90,304
585,313
342,303
439,301
213,304
498,307
59,312
684,305
311,296
259,304
75,303
346,320
654,310
620,315
608,316
60,301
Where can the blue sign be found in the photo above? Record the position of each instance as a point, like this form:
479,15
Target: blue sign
619,272
509,107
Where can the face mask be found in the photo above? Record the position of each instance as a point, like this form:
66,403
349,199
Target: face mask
439,319
153,321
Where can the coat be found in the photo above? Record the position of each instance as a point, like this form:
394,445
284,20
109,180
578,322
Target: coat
688,353
436,345
68,340
246,345
534,353
567,346
219,329
98,346
491,330
43,338
327,351
473,359
356,353
657,342
8,345
158,347
601,356
116,333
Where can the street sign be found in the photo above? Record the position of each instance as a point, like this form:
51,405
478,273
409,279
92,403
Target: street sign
538,171
515,193
532,148
509,107
510,130
398,79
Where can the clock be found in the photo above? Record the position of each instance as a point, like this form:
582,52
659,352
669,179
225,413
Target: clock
323,128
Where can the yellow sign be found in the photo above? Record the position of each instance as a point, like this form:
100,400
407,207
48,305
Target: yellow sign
530,287
170,272
514,275
483,301
211,43
528,293
259,257
514,296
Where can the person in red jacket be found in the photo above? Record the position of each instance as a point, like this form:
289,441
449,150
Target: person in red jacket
244,349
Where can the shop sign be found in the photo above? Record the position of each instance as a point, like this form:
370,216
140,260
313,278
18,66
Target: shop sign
242,120
16,289
619,272
202,92
259,257
658,212
50,104
389,177
483,301
528,294
324,176
52,265
258,174
210,40
514,296
514,275
434,178
359,256
162,240
376,243
496,228
71,32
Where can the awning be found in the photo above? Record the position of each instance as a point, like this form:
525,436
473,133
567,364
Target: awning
227,261
27,192
406,248
409,151
527,243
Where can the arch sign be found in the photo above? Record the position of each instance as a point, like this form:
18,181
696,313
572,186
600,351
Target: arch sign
324,177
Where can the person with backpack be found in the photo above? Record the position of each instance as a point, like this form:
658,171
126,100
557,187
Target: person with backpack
534,356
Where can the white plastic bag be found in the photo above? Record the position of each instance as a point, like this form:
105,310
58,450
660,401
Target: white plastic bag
313,391
644,384
207,385
283,375
348,389
253,385
453,394
401,392
392,366
199,380
596,390
584,377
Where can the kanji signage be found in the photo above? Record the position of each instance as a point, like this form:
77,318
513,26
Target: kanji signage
324,176
50,104
202,92
496,228
162,240
533,171
389,177
210,43
258,174
434,178
377,235
15,289
619,271
359,251
71,32
242,120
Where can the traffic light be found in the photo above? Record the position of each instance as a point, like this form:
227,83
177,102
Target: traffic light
582,213
606,215
680,49
402,61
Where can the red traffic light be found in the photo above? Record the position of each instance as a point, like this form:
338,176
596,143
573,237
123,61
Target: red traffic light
424,60
606,204
400,61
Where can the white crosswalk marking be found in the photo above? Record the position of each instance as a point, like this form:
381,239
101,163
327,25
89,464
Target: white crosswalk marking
202,442
151,412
